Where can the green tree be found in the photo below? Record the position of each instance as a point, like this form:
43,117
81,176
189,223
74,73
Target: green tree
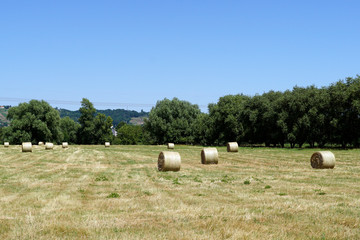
354,96
86,133
344,111
258,119
94,129
299,106
225,117
204,129
33,122
69,129
122,123
274,131
317,112
129,135
103,131
172,121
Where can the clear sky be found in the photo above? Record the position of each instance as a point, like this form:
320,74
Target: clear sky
134,53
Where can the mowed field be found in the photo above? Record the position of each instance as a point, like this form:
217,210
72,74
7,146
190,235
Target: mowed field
93,192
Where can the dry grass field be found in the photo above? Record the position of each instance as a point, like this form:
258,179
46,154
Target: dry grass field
93,192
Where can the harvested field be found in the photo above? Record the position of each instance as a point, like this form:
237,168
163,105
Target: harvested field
92,192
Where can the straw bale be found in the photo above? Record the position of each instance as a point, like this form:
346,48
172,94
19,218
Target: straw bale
26,147
232,147
169,161
209,156
65,145
323,159
41,143
49,146
171,146
6,144
107,144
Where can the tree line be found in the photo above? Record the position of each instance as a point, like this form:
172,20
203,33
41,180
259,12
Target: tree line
311,116
304,115
37,121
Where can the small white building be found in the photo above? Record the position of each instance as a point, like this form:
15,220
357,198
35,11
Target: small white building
114,132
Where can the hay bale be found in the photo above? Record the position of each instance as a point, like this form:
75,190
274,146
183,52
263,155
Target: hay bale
169,161
6,144
49,146
209,156
323,159
107,144
171,145
65,145
26,147
232,147
41,143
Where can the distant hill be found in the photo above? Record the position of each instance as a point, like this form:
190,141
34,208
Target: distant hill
3,113
118,115
137,120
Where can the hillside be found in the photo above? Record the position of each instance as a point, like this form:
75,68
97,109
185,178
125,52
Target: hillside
3,121
118,115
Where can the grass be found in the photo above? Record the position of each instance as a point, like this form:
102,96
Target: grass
93,192
113,195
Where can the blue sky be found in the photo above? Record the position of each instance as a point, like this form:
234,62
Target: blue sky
134,53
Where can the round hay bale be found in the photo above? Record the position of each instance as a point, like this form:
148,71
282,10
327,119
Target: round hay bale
107,144
49,146
323,159
169,161
6,144
65,145
209,156
232,147
26,147
41,143
171,146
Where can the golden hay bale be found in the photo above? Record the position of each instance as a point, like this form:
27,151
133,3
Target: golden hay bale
49,146
6,144
41,143
169,161
232,147
171,146
26,147
107,144
209,156
65,145
323,159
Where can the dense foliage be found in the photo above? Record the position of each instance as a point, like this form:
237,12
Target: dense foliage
87,129
130,135
38,121
103,131
69,129
33,122
172,121
94,129
305,115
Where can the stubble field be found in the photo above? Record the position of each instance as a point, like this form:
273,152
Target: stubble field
93,192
